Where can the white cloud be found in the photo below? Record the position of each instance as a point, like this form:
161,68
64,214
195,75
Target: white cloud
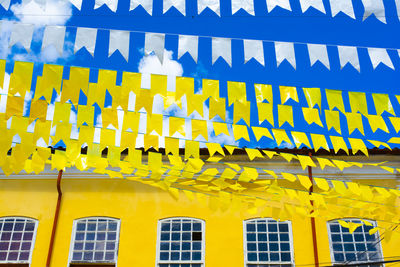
55,12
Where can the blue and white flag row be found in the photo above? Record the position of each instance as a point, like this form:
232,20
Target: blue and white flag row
371,7
54,37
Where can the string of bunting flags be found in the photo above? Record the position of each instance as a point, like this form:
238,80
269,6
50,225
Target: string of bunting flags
85,38
376,8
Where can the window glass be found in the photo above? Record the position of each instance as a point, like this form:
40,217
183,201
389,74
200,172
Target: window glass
181,242
359,246
95,240
16,239
267,243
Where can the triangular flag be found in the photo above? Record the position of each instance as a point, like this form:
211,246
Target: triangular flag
85,37
335,99
221,47
146,4
301,138
178,4
119,40
358,102
349,54
246,5
253,49
285,51
22,33
375,7
345,6
111,4
189,44
382,104
54,36
211,4
271,4
311,115
379,55
76,3
154,42
319,53
5,4
261,132
285,114
317,4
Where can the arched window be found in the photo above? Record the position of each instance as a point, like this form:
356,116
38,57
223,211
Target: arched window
268,243
180,242
358,247
17,238
94,240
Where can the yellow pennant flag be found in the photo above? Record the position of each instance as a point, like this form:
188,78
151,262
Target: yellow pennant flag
61,112
208,175
154,123
358,145
42,130
241,110
263,92
341,164
236,92
304,181
85,115
96,94
63,132
339,187
240,131
131,121
21,78
378,144
78,80
287,93
354,188
217,107
210,89
107,138
248,174
176,125
192,149
354,121
288,157
14,107
382,104
154,161
323,162
285,114
358,102
183,86
301,138
220,128
49,81
319,141
335,99
195,103
151,141
311,115
339,143
131,82
171,146
313,96
215,147
109,116
322,184
38,110
253,153
377,122
281,136
144,99
58,160
306,161
231,149
288,176
158,84
261,132
170,99
332,119
396,123
265,112
2,71
199,127
86,135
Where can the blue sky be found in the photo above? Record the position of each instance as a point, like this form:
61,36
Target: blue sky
278,25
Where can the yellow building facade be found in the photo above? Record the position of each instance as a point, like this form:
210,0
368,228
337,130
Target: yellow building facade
138,208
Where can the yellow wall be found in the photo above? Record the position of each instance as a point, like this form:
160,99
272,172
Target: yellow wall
140,207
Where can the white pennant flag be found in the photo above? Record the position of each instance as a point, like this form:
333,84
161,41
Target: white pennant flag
146,4
76,3
5,4
284,51
253,49
154,42
221,47
349,54
211,4
85,37
271,4
380,55
112,4
189,44
178,4
246,5
41,3
398,7
22,33
119,40
319,53
54,36
345,6
374,7
317,4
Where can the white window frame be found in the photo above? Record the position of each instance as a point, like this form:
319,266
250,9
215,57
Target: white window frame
374,224
29,261
255,263
71,249
203,242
